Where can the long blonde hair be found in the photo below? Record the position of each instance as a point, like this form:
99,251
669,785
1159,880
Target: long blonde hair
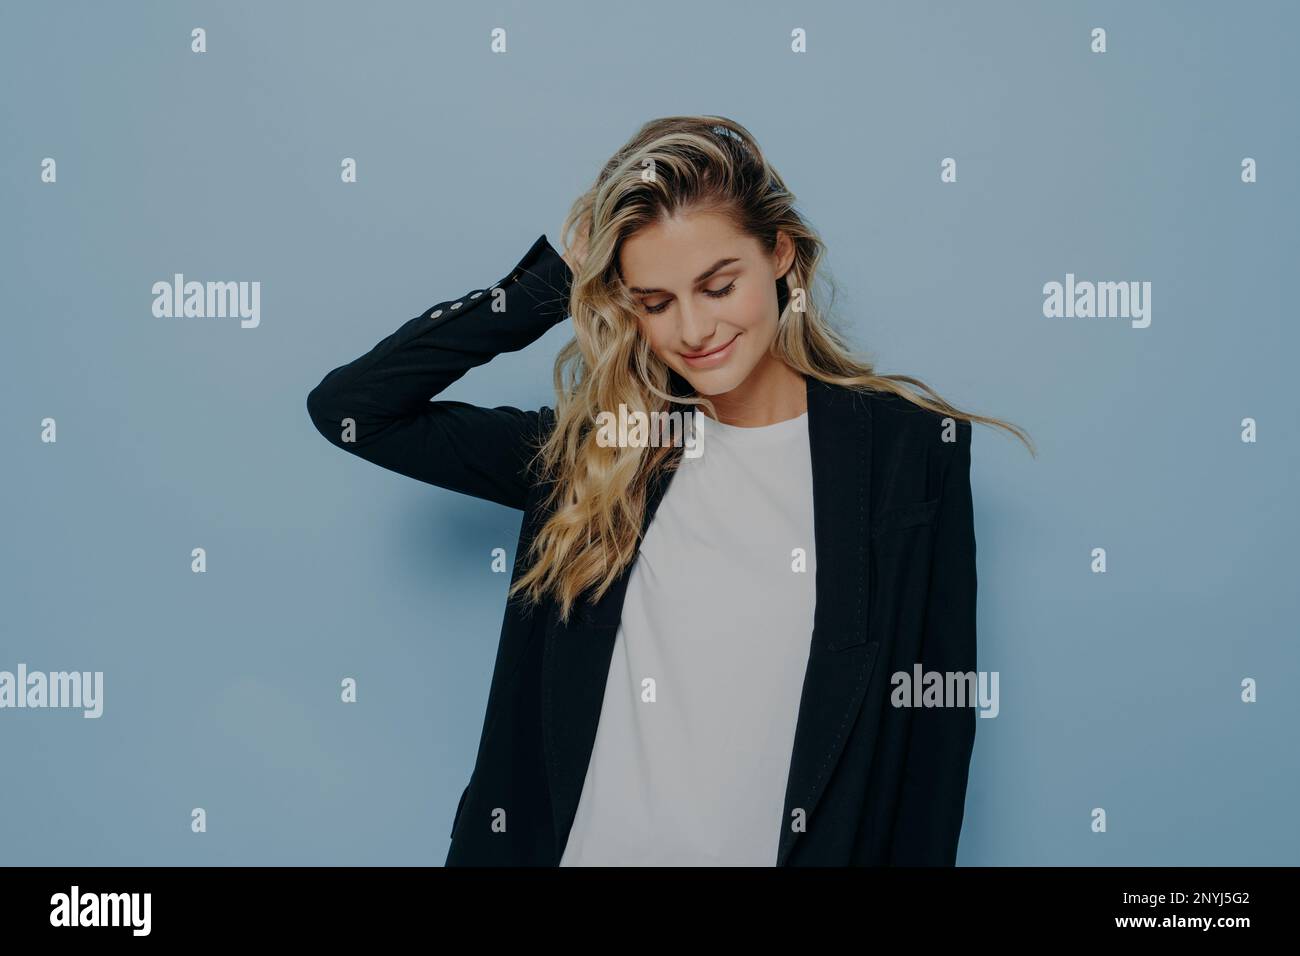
597,495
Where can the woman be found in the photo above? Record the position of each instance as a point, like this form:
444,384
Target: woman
692,666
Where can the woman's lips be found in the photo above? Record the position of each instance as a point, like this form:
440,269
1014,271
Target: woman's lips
712,358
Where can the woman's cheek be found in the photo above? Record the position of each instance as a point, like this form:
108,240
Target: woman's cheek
656,335
750,311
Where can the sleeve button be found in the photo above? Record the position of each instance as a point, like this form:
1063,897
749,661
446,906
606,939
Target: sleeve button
456,305
435,313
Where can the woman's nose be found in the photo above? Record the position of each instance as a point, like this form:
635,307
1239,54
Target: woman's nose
696,328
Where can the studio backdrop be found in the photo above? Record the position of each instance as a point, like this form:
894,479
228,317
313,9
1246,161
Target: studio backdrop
284,652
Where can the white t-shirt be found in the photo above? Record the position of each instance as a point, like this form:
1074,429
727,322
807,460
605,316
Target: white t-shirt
718,617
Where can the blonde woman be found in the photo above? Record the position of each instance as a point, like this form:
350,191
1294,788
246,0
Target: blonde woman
703,622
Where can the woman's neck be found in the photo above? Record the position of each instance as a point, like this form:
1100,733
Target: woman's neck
773,392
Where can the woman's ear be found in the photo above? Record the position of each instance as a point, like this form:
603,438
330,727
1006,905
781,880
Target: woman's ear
784,253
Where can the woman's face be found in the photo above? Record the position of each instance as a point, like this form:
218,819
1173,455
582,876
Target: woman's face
706,297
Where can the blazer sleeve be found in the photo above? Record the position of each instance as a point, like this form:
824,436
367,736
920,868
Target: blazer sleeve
378,406
933,796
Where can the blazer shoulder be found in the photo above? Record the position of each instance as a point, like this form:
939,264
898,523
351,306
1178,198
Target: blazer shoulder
910,429
896,411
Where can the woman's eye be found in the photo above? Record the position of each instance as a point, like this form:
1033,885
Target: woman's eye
715,293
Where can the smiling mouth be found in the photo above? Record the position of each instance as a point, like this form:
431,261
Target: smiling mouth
695,357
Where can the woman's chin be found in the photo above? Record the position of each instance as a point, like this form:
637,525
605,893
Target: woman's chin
710,382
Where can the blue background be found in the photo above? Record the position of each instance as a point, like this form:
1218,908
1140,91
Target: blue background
1118,690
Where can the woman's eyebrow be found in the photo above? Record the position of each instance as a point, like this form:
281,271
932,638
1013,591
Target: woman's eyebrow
698,279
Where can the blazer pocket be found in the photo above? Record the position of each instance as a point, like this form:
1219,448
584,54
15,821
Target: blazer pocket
905,516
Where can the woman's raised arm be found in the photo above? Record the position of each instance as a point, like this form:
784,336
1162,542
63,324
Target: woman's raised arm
378,406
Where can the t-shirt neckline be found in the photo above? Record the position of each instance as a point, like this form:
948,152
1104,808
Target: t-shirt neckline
760,434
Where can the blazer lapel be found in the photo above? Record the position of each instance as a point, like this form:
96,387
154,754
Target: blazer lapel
840,658
576,656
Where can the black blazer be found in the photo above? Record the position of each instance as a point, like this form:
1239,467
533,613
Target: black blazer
895,585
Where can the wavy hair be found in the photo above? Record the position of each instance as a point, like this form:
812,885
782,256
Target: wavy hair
597,495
